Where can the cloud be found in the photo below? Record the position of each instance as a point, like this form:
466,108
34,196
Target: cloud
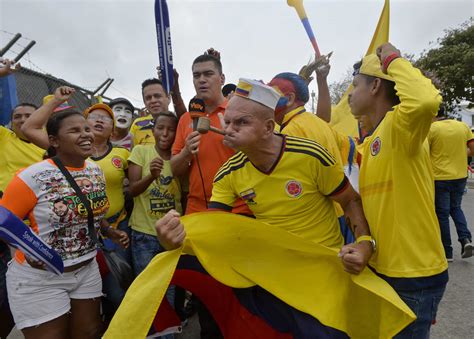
85,42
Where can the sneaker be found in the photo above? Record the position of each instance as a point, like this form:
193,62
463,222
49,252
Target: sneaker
449,258
467,248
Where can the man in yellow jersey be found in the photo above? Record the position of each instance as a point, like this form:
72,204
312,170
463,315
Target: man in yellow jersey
156,100
448,139
16,151
294,120
287,182
396,181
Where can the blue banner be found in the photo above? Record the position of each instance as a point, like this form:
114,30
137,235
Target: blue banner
163,35
17,234
8,98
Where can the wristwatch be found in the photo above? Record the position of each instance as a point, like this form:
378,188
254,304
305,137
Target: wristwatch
367,238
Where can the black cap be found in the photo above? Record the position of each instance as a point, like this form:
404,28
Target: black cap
121,101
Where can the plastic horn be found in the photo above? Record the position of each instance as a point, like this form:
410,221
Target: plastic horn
204,126
298,6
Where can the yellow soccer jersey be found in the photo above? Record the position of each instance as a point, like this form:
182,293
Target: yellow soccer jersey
396,181
448,141
299,123
114,164
142,131
15,154
162,195
293,195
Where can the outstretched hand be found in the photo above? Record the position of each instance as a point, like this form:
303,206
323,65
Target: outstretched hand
63,93
8,68
385,50
322,70
214,53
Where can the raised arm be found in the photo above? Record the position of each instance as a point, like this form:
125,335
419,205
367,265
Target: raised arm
419,99
33,128
323,109
178,103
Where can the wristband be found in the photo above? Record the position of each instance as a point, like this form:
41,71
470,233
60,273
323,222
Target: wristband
388,60
369,239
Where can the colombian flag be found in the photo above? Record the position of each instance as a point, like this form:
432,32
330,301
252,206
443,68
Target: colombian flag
239,267
342,119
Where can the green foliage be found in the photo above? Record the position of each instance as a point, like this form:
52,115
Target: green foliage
452,63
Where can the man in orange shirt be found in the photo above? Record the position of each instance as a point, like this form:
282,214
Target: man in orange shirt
200,156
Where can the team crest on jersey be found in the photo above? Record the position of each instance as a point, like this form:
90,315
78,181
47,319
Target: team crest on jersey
294,188
375,146
117,162
248,196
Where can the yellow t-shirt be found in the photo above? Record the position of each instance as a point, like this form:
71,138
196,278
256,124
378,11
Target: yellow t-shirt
448,141
15,154
299,123
161,196
396,181
142,130
293,195
114,165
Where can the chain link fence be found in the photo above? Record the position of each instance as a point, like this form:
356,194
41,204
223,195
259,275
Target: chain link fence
32,87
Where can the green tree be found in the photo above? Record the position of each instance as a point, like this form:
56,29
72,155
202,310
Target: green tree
451,60
338,88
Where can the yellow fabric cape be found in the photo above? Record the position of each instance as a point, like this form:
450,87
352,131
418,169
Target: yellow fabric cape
242,252
342,119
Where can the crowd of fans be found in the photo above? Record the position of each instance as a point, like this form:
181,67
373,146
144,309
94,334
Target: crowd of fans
374,198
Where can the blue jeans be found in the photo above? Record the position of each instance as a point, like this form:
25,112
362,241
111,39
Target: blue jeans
424,303
448,198
144,249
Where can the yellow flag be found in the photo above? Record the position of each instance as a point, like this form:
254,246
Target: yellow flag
342,119
242,252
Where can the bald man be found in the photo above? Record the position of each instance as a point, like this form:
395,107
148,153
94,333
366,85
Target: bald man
287,182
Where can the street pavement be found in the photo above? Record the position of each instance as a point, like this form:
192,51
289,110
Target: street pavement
455,319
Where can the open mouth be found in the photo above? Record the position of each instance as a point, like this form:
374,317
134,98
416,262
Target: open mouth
98,127
86,145
122,121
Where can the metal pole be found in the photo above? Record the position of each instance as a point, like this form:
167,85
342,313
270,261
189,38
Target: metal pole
10,44
24,51
312,101
106,87
102,85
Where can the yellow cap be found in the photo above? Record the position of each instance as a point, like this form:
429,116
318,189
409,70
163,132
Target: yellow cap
100,106
371,66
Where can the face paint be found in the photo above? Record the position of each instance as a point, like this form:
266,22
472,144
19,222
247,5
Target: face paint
123,116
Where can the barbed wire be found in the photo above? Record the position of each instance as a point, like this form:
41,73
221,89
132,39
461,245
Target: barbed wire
13,34
125,94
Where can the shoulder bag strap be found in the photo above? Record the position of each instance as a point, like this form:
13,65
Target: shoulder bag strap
82,197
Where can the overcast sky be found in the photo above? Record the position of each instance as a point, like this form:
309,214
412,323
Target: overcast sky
86,41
